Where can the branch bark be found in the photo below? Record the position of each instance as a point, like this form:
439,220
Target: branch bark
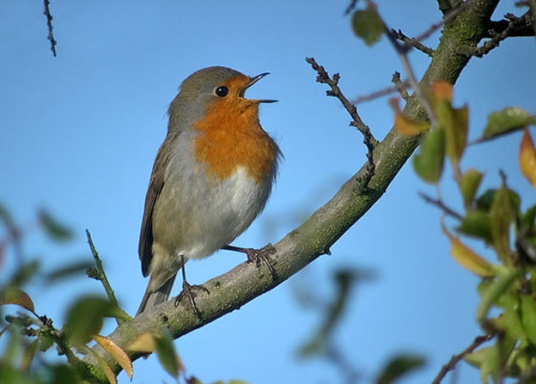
303,245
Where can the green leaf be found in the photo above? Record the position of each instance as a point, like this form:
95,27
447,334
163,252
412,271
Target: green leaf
456,125
502,215
485,200
85,318
63,374
529,217
28,356
11,375
6,217
506,121
45,342
495,291
428,164
476,224
368,25
399,366
167,355
53,228
469,185
512,320
487,360
528,316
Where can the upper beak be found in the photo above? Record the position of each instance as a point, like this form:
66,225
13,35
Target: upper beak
252,81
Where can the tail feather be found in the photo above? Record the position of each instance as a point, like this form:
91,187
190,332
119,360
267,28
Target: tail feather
152,298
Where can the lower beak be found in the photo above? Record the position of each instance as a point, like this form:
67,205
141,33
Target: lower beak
252,81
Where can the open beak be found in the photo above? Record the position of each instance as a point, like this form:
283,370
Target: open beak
252,81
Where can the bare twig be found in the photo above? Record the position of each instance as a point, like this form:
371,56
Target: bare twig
455,359
400,86
439,203
50,37
350,7
523,26
381,93
368,139
402,51
99,274
412,42
511,26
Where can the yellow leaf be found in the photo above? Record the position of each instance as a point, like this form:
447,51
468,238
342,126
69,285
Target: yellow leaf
116,352
145,343
105,367
17,297
442,90
527,158
405,126
467,258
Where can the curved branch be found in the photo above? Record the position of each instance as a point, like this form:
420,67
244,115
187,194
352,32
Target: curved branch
300,247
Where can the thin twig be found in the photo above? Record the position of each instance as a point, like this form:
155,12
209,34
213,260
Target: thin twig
400,86
99,274
455,359
50,37
513,24
380,93
412,42
350,7
439,203
402,51
446,19
368,139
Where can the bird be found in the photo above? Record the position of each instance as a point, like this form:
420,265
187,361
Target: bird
212,176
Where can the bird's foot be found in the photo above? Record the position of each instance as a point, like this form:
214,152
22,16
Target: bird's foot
259,256
187,290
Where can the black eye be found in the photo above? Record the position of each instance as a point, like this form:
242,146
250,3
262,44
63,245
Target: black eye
222,91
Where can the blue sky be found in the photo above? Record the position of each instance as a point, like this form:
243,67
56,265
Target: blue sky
79,133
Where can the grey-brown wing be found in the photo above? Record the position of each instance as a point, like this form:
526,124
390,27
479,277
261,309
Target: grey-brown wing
153,191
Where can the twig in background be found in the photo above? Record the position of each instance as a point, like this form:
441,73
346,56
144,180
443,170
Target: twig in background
47,13
412,42
381,92
350,7
455,359
400,86
439,203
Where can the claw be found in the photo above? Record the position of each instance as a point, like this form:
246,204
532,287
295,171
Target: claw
187,289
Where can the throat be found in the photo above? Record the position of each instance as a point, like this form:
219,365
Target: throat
225,145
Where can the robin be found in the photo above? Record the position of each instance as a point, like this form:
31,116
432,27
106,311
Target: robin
211,178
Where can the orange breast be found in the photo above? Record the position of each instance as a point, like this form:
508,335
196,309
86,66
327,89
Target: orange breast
232,137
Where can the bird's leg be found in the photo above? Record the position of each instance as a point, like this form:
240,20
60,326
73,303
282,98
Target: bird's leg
255,255
187,289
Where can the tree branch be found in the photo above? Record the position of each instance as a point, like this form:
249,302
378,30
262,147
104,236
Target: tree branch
313,238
